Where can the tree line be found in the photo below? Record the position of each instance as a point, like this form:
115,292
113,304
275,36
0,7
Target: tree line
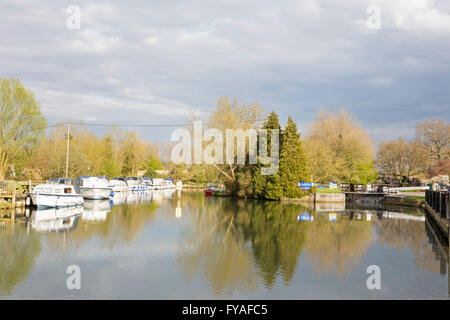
27,152
425,156
333,148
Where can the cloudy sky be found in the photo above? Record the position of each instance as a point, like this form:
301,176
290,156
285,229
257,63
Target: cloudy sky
157,62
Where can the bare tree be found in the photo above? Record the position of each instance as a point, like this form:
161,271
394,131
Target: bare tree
399,158
434,135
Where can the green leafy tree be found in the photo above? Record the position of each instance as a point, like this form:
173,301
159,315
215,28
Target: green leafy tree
21,121
151,165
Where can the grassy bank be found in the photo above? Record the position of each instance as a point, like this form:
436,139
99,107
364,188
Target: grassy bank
328,191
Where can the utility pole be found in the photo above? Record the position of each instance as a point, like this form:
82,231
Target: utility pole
67,152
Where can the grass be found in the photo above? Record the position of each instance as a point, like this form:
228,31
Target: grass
416,198
328,190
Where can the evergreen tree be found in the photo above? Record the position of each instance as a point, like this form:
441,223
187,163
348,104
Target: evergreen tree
267,186
293,161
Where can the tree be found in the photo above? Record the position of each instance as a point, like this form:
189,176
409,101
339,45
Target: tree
293,161
21,121
350,148
151,165
434,135
399,158
267,186
323,165
232,115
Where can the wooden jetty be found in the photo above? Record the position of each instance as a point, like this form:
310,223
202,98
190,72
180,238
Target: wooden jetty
16,194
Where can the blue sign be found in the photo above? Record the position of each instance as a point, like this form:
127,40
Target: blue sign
305,217
305,185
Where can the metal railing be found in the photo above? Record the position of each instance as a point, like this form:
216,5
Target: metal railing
439,202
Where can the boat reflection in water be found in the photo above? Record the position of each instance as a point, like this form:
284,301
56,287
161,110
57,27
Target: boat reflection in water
159,195
56,219
96,210
135,197
119,198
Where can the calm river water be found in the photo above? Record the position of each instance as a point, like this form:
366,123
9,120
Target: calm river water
171,245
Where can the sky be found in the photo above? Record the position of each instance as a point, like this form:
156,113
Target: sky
160,62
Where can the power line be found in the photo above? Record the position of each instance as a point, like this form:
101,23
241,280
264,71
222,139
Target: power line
135,125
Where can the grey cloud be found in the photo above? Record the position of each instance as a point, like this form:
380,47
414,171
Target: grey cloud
159,61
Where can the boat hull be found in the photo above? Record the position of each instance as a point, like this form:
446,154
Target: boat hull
56,201
95,193
138,187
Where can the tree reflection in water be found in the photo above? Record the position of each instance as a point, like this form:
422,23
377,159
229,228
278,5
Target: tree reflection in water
122,224
18,252
231,239
401,233
336,247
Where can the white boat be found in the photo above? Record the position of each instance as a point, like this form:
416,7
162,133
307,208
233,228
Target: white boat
169,183
148,182
136,184
56,219
95,188
158,184
118,185
59,192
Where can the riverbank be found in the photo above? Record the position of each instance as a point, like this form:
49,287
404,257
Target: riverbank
417,202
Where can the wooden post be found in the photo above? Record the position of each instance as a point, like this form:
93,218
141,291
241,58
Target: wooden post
67,152
14,195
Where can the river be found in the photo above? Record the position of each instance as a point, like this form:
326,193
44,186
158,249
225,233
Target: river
182,245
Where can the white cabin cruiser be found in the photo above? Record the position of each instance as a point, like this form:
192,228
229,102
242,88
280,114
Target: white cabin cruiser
95,188
148,182
169,183
158,184
136,184
59,192
118,185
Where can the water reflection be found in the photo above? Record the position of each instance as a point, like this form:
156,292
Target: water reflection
18,252
56,219
222,246
96,210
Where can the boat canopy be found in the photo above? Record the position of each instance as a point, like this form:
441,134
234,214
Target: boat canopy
69,181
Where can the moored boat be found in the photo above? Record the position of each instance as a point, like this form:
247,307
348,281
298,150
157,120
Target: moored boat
148,182
118,185
59,192
136,184
169,183
158,184
95,188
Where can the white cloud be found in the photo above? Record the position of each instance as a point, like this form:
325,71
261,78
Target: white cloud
160,62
